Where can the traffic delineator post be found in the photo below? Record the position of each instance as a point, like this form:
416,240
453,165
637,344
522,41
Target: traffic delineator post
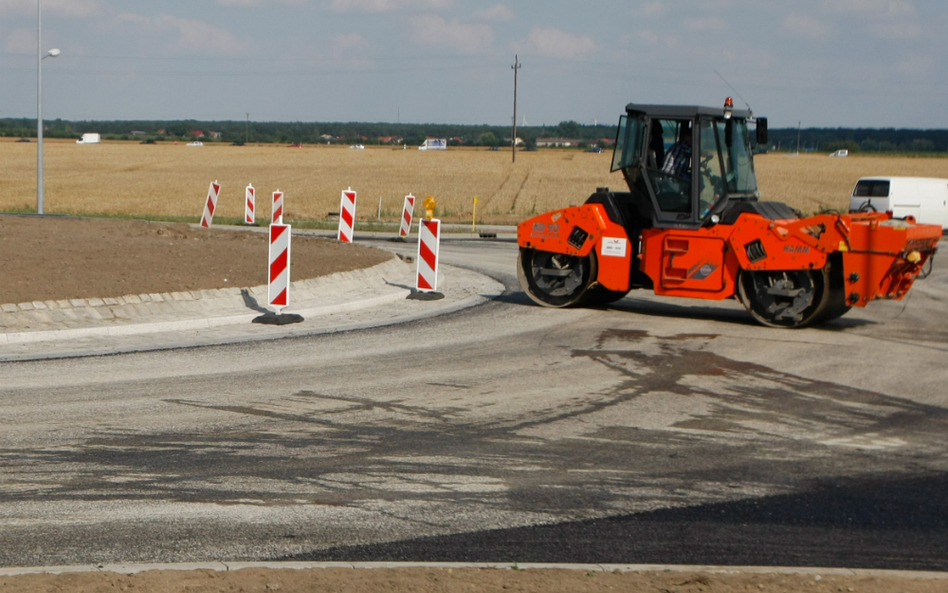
278,285
276,210
429,244
250,205
278,277
347,210
407,210
210,204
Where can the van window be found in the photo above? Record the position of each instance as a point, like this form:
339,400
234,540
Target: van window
871,188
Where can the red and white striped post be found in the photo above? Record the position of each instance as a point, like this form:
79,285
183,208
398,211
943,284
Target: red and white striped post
210,205
250,199
429,243
278,287
276,210
347,213
407,211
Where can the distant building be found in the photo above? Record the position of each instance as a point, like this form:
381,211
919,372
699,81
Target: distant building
434,144
215,134
559,142
196,133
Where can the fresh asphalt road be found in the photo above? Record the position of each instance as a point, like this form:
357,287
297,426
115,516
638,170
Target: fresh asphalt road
656,431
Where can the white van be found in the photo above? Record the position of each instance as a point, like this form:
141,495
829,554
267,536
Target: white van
91,138
922,197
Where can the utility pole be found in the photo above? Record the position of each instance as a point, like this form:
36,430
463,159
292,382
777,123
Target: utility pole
799,123
39,107
513,141
247,139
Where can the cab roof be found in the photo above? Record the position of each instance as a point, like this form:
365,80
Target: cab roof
683,111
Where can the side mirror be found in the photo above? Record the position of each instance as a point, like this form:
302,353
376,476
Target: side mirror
761,131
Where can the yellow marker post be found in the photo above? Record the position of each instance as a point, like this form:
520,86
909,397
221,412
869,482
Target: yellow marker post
474,217
430,205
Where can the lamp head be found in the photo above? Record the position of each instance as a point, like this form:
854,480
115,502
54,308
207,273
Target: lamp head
52,53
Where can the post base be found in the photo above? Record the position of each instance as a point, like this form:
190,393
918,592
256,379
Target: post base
417,295
278,318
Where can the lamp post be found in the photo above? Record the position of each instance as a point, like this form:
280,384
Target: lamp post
40,56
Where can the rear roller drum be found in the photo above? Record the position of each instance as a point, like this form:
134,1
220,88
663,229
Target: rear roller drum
555,279
792,298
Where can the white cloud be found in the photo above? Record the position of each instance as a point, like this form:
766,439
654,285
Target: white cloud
705,24
652,9
875,7
251,3
897,31
341,44
647,37
802,25
21,41
434,30
55,8
499,12
917,67
347,41
193,35
388,5
198,35
554,43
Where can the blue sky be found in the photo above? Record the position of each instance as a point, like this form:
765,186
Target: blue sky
848,63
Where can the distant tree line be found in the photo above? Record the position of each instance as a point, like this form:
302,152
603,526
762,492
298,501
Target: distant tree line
867,140
306,132
785,139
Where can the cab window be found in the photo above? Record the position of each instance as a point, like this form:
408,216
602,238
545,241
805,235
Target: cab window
710,178
668,163
628,143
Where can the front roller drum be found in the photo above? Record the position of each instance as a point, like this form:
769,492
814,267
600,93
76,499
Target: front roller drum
789,298
555,279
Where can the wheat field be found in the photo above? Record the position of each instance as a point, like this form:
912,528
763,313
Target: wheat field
171,180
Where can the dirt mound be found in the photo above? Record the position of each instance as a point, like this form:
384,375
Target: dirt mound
55,258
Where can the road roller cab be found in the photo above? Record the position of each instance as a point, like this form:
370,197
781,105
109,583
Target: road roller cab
692,225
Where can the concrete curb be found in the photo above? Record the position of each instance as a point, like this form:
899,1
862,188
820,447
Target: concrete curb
112,317
711,569
348,301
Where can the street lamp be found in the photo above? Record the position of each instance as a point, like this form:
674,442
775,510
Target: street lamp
39,103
